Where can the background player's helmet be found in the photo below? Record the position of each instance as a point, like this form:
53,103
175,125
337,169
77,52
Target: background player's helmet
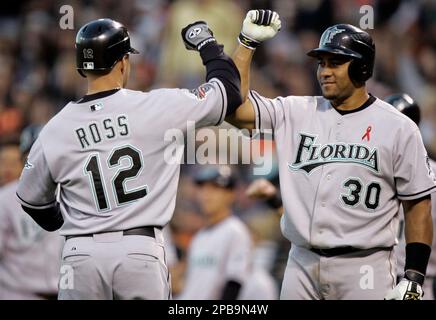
221,176
28,137
350,41
406,105
100,44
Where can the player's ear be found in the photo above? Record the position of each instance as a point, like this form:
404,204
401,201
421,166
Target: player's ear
122,65
124,62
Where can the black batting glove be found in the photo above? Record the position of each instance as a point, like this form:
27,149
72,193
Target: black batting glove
197,35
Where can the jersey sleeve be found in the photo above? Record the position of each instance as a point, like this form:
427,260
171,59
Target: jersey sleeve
413,174
269,112
36,188
238,261
206,105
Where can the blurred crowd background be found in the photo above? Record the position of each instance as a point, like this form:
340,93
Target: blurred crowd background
38,76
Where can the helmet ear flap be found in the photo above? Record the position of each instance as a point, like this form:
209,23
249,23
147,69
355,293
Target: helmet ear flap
358,71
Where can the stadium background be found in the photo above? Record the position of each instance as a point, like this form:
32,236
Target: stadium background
38,76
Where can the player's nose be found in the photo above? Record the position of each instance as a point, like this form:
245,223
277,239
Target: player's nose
324,72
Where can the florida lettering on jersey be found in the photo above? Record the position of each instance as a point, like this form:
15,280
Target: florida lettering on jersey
311,155
96,132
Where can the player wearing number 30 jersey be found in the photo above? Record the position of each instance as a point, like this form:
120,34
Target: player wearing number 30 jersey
346,160
107,152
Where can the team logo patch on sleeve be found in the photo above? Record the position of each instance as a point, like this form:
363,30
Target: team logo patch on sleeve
96,107
429,168
202,91
28,165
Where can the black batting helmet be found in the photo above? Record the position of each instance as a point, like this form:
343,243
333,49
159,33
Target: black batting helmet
100,44
406,105
350,41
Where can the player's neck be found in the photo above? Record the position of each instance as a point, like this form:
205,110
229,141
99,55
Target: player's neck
103,83
356,100
217,217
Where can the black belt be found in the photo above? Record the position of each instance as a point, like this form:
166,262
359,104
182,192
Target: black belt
141,231
331,252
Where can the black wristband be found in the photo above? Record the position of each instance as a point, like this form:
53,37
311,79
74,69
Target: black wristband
275,202
211,51
204,43
248,42
417,256
223,68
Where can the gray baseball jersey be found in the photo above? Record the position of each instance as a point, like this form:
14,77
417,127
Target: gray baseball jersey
29,256
342,175
216,255
400,251
108,155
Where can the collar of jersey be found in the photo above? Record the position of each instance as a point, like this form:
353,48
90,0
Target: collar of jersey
98,95
367,103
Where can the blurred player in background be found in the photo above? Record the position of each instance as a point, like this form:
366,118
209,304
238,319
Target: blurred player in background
260,284
29,256
408,106
187,221
219,255
10,159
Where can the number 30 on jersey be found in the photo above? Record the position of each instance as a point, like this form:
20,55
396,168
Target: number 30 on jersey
356,190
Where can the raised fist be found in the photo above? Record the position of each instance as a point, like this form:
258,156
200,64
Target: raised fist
258,26
196,35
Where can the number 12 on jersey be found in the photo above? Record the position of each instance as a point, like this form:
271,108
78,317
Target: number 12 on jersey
93,170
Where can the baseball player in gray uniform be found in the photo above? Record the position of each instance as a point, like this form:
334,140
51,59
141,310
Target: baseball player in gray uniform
106,153
29,256
408,106
219,255
10,158
346,161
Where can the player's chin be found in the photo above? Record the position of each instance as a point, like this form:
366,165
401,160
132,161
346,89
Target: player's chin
329,94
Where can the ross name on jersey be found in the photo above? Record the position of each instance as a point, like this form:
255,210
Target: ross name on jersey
311,155
96,132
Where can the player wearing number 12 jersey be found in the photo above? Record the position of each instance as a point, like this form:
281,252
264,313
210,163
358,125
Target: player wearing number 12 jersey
107,154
